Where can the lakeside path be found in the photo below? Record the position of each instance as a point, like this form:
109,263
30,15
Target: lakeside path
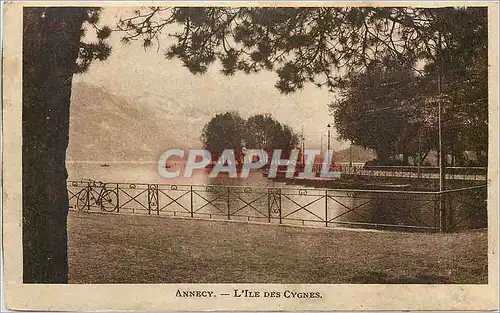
109,248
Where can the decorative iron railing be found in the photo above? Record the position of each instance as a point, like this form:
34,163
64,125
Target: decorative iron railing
424,172
380,209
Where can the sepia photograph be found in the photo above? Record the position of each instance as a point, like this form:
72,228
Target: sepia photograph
253,153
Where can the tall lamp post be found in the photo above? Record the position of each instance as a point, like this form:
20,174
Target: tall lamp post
321,147
350,155
442,157
444,221
303,147
328,145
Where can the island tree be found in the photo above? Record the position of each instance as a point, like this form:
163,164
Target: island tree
224,131
261,131
266,133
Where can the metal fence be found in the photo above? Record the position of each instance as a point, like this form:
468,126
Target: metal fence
452,173
423,172
376,209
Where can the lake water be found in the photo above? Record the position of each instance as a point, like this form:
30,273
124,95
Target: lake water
139,189
145,172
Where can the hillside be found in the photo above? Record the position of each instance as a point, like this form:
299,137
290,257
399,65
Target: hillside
359,155
105,127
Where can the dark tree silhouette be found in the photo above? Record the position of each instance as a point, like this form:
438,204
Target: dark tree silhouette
261,131
462,69
266,133
223,131
52,51
302,45
379,109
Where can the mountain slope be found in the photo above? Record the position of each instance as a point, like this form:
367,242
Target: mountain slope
359,155
104,127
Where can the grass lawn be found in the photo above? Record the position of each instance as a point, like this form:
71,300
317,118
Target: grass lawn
145,249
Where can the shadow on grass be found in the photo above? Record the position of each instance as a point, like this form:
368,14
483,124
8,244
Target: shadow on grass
383,278
141,249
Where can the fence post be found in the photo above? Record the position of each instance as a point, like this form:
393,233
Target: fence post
450,211
326,208
228,204
157,195
436,212
268,205
279,199
149,199
442,214
191,202
117,199
153,198
88,191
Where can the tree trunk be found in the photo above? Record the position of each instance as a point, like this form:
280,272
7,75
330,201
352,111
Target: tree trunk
406,158
424,156
51,40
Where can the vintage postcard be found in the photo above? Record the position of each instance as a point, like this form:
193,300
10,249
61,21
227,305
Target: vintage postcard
278,156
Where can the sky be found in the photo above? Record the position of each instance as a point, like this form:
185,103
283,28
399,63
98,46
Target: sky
147,78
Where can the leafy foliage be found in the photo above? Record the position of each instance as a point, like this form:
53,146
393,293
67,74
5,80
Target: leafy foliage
230,131
378,109
462,71
224,131
309,44
399,120
44,19
90,51
264,132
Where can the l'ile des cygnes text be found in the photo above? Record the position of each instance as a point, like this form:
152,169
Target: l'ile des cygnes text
249,293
